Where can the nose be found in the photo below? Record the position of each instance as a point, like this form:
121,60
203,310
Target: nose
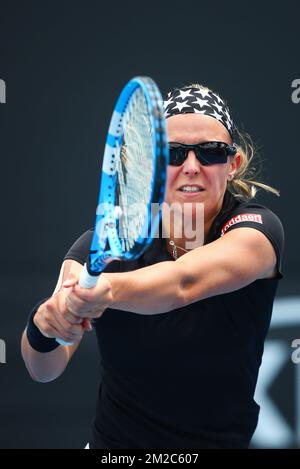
191,165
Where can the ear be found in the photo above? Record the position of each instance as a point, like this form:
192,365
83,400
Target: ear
234,165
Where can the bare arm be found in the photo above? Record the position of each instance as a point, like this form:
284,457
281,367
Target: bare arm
237,259
45,367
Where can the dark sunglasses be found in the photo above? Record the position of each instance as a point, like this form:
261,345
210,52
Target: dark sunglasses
207,153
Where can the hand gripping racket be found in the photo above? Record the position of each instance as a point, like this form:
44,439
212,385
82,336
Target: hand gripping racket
133,178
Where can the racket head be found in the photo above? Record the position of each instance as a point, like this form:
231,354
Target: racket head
133,176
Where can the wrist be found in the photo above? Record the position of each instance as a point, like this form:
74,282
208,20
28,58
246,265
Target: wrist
36,339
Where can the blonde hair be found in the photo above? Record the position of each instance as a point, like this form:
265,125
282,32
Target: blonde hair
244,184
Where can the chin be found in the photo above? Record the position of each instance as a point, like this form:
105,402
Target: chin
190,199
189,205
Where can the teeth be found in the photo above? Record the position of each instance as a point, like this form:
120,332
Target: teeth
190,189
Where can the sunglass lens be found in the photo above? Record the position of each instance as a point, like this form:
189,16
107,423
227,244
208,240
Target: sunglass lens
177,156
212,153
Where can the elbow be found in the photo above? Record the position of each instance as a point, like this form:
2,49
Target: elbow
42,379
40,376
185,294
183,297
39,369
37,379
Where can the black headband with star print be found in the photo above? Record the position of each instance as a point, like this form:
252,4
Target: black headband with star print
201,101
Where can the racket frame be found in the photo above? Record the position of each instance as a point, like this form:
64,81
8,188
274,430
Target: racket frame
106,245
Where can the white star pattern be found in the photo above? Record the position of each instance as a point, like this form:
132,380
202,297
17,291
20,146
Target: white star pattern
170,101
203,93
219,99
200,102
184,94
193,99
179,106
229,124
216,115
220,108
227,114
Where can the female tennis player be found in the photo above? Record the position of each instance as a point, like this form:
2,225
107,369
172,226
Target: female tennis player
180,330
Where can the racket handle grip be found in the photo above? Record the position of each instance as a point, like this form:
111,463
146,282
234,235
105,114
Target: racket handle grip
86,280
62,342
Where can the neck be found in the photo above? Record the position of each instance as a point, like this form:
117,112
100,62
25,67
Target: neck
186,244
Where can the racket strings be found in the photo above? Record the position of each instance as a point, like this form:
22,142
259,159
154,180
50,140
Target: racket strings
135,170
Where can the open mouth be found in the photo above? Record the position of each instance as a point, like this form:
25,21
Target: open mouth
191,189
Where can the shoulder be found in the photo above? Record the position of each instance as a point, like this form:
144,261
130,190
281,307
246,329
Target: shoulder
79,250
258,217
249,214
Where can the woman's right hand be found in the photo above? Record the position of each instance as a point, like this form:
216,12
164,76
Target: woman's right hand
50,319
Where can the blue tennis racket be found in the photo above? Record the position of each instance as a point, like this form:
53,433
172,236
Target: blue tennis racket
133,178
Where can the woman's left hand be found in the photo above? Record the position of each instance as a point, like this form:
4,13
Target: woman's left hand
87,303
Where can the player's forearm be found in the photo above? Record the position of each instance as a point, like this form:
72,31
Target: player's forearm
44,367
150,290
